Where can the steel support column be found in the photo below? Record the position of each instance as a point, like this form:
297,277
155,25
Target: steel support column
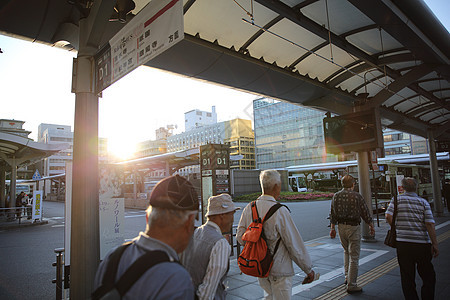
437,197
84,245
12,183
365,191
2,187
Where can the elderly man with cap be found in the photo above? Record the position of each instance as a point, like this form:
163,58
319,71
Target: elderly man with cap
170,225
207,256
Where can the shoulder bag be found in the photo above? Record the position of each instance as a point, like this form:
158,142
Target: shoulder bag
391,236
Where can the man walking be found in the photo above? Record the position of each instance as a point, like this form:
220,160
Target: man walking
208,254
278,285
170,225
347,209
416,240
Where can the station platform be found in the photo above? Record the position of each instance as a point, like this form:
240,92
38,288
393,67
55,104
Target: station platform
379,274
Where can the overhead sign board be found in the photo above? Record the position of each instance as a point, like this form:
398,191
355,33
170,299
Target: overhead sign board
443,146
156,28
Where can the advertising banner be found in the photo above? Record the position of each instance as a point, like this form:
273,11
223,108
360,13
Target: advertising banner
37,205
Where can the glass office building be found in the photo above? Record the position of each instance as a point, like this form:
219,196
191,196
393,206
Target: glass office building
287,134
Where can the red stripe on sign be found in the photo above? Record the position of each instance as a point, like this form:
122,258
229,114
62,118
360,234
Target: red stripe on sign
159,13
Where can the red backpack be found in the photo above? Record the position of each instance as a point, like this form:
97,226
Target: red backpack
255,258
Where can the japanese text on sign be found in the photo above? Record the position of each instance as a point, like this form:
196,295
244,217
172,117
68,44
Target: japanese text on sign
156,28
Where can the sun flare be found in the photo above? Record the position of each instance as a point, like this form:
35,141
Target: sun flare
121,149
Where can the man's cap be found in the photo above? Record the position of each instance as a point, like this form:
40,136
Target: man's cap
174,192
220,204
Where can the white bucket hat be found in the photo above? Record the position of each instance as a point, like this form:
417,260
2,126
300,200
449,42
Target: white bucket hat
220,204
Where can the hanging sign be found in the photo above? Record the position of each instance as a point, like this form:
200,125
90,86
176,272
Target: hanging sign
156,28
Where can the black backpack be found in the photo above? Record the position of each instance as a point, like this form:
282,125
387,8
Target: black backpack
109,289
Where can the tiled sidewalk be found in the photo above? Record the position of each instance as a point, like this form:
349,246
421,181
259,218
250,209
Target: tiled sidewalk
379,274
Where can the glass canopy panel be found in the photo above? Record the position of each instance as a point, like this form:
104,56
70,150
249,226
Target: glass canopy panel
322,67
399,96
222,20
408,104
276,49
338,15
370,42
439,113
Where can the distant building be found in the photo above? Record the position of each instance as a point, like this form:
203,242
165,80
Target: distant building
13,127
54,133
287,134
150,148
197,118
237,133
241,138
397,142
155,147
51,134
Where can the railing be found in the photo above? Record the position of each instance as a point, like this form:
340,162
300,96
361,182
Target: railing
13,213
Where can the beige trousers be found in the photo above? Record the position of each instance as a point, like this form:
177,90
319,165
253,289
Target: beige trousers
351,242
276,287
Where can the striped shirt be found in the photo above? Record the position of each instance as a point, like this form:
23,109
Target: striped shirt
217,266
412,214
209,285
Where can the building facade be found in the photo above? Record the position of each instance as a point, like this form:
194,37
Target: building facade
13,127
150,148
51,134
54,133
197,118
397,142
237,133
287,134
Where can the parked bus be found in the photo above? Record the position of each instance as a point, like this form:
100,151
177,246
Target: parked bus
327,176
27,187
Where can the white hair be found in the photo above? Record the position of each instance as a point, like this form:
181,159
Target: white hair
165,217
268,179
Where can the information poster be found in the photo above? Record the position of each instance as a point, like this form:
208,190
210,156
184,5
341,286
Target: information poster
111,224
111,209
37,205
399,179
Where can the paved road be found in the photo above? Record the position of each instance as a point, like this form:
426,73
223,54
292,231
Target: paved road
27,253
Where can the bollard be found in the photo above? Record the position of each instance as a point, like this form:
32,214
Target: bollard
59,274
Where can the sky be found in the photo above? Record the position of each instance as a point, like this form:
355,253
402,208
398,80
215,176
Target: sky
35,87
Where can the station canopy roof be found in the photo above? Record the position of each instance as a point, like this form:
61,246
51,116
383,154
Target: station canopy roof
326,54
24,150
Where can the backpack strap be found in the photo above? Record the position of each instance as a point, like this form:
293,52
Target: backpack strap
138,268
271,211
255,215
110,272
131,275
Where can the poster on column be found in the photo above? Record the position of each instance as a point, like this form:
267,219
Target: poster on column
398,179
37,206
111,209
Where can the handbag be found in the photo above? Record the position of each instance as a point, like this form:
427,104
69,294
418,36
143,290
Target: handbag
391,236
